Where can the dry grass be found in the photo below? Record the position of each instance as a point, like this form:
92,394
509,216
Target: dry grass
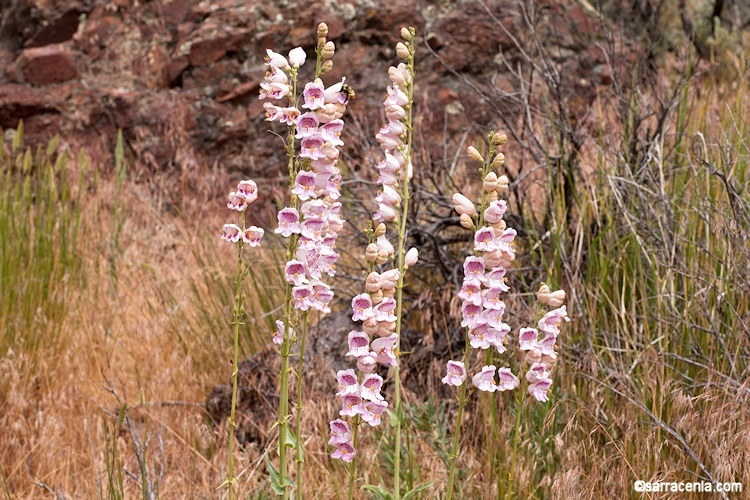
652,382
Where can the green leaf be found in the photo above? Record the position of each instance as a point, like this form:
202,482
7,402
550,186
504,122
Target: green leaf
417,489
379,492
278,485
290,441
392,418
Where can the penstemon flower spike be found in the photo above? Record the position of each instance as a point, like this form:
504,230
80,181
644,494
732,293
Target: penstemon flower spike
483,309
239,200
312,220
380,307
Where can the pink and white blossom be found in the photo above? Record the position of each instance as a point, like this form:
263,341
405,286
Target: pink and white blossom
456,373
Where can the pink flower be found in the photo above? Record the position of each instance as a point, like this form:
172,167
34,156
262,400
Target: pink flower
480,337
288,222
344,452
362,307
294,272
297,57
463,205
307,125
340,432
395,96
321,297
252,236
389,196
496,279
474,269
314,95
484,240
370,387
508,381
373,411
494,213
367,363
385,213
491,299
304,185
237,202
301,296
351,404
311,147
385,310
334,95
273,113
289,115
470,315
273,90
278,337
347,381
399,75
383,348
359,344
494,318
550,322
331,132
540,388
471,293
497,338
485,379
456,373
547,344
232,233
276,60
249,190
527,338
537,372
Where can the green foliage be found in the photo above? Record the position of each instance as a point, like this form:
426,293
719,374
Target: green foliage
40,247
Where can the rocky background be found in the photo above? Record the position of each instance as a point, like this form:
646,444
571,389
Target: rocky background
180,77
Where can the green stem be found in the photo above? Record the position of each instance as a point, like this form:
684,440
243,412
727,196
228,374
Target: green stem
239,300
287,341
353,470
462,398
299,459
401,269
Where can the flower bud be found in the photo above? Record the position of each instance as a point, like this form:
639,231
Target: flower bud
372,284
380,230
370,326
499,139
499,226
377,297
502,184
405,33
556,298
411,257
492,195
322,30
402,51
490,182
326,66
467,222
475,155
382,257
389,292
543,290
463,205
371,253
385,328
499,160
328,50
321,42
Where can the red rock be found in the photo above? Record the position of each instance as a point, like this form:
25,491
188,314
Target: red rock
57,30
175,68
47,65
175,11
241,90
205,51
18,102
